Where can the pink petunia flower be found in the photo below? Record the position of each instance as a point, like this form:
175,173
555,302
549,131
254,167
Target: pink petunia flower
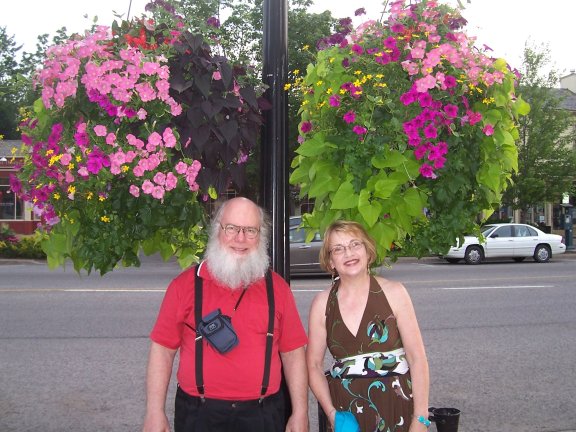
349,117
305,127
134,191
488,130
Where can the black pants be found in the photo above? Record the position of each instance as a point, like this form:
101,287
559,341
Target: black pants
212,415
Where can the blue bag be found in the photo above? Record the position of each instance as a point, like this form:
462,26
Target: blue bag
346,422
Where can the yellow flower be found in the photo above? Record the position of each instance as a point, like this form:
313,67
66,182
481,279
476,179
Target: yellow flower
488,101
319,83
331,60
89,196
101,198
56,196
54,159
329,91
296,71
305,47
78,158
71,189
105,219
287,86
124,168
358,72
379,76
70,166
49,152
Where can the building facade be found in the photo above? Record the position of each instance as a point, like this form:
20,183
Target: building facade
14,212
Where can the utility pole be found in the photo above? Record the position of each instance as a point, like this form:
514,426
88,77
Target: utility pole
274,144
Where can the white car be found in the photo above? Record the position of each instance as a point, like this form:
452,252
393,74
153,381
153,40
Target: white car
507,240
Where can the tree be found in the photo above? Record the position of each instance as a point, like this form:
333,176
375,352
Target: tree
546,156
9,71
16,72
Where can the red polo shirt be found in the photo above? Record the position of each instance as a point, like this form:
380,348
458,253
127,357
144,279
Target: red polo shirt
236,375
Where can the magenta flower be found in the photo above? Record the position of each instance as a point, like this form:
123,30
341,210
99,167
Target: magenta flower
213,22
357,49
96,161
488,130
451,110
474,117
349,117
427,171
359,130
305,127
334,101
430,132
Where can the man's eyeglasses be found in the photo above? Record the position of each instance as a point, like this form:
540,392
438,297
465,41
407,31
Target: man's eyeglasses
233,230
353,246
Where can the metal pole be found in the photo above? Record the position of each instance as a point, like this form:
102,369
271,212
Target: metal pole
274,144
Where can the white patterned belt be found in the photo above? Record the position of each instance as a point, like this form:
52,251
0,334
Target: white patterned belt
371,365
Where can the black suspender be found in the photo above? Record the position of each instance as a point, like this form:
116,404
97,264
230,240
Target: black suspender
197,319
269,335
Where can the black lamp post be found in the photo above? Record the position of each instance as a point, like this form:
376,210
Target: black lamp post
274,147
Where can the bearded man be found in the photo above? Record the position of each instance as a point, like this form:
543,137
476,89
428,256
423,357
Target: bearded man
236,387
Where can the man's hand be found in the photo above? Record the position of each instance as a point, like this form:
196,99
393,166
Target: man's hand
156,422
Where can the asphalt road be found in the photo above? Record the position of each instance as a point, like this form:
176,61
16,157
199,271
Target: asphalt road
499,337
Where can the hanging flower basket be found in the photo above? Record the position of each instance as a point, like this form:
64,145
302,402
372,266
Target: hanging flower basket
406,127
138,125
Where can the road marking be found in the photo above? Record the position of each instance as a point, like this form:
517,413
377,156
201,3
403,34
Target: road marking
41,290
307,290
497,287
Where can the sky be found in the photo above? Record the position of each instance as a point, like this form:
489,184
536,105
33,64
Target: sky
503,25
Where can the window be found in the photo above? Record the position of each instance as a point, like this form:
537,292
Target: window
503,231
10,207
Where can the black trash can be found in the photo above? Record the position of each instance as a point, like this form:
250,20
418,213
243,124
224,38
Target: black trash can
445,419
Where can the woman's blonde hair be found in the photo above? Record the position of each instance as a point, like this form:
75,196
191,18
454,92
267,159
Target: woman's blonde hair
351,228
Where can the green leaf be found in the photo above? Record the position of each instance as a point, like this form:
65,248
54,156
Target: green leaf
314,146
391,159
345,197
521,107
370,211
415,202
385,187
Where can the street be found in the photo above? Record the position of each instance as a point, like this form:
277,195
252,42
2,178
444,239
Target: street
499,338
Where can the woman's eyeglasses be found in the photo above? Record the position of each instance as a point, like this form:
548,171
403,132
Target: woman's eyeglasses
353,246
233,230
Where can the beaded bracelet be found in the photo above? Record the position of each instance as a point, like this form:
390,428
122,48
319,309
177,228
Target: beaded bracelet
424,421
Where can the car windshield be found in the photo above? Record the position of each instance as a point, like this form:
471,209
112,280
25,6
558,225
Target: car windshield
487,229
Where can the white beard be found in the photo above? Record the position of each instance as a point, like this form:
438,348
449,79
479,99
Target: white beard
236,271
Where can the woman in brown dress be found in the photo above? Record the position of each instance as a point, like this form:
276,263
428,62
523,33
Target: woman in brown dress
380,370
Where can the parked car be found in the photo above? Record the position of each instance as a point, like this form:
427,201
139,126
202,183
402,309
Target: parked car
304,257
516,241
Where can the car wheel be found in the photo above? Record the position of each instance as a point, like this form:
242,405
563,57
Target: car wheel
519,259
474,255
542,254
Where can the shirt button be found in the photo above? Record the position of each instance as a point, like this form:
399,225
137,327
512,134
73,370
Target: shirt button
234,405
